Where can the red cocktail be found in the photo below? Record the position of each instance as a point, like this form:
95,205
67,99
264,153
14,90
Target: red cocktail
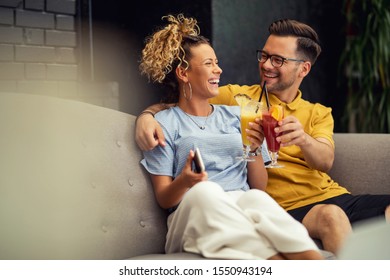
270,120
269,124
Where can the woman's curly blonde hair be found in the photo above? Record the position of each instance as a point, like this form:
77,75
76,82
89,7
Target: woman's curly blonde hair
164,49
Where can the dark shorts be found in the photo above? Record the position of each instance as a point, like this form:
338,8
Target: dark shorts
357,207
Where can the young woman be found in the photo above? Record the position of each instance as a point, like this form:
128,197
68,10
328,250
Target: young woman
223,212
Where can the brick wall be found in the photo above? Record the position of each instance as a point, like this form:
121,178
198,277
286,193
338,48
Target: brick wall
39,52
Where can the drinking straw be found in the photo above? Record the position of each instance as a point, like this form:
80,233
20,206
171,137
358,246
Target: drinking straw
266,96
262,91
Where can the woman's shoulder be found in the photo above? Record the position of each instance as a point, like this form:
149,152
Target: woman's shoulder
167,113
168,117
227,109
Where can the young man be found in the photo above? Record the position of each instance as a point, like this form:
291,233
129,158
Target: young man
302,187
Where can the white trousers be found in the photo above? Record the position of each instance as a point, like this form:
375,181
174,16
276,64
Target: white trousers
233,225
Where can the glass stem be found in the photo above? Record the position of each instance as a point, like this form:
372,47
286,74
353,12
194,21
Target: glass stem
247,150
274,157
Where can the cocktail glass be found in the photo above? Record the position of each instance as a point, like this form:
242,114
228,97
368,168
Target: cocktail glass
270,120
249,112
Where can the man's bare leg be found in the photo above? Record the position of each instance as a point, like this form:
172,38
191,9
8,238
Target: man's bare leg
328,223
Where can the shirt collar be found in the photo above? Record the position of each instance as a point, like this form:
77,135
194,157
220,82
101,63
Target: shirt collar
292,105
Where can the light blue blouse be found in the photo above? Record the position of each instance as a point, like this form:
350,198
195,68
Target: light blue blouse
219,143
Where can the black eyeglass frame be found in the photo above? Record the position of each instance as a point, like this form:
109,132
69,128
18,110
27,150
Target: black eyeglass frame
271,57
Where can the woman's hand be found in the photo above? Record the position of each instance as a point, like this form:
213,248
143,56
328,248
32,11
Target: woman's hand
255,134
170,192
189,176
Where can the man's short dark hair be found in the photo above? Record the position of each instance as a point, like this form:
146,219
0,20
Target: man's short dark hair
308,43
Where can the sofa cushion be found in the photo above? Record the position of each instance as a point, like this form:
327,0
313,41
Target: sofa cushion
361,162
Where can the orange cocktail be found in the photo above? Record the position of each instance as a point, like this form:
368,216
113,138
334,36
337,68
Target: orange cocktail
247,116
250,110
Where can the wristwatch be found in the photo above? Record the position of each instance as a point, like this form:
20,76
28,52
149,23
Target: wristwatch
254,153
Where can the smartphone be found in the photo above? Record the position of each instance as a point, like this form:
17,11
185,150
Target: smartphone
198,162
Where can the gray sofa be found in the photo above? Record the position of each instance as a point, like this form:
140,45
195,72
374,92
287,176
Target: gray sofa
71,186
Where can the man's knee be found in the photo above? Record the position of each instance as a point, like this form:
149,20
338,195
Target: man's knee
324,218
331,214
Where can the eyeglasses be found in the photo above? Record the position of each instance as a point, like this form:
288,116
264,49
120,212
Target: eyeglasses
276,60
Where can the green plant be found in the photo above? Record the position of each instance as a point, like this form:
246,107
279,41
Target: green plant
365,63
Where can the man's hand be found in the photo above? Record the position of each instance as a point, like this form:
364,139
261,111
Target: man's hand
292,132
148,133
318,152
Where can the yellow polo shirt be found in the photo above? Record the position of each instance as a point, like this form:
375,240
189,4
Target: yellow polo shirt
295,185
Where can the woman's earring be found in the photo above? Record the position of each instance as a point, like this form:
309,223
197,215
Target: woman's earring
189,84
184,92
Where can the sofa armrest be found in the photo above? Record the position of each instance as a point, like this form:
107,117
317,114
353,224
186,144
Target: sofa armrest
71,185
